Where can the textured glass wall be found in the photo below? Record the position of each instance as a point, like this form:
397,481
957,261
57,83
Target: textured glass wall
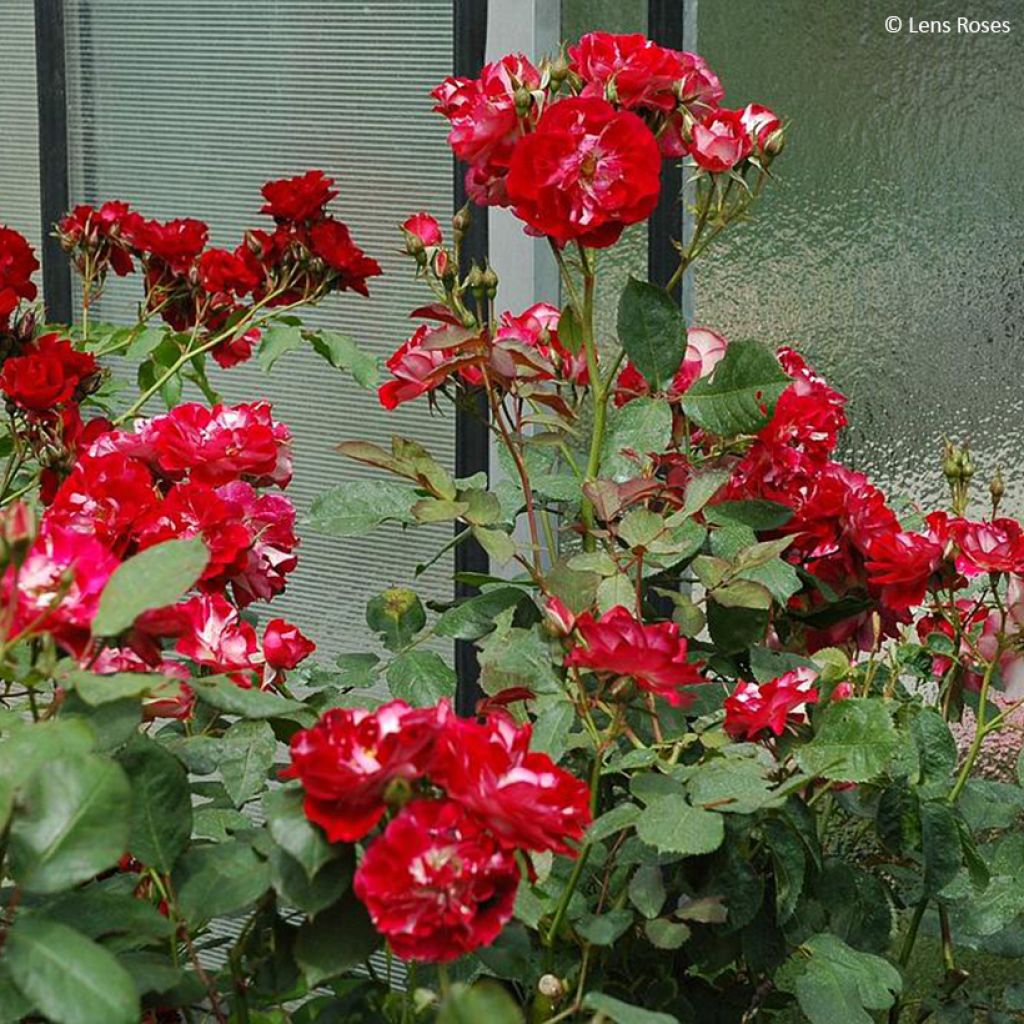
19,143
892,248
184,107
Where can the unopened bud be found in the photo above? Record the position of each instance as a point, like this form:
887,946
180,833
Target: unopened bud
523,100
997,488
559,69
414,247
18,530
461,222
551,987
775,143
475,279
398,793
489,280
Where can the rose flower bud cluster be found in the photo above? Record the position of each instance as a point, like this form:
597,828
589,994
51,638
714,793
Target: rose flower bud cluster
440,880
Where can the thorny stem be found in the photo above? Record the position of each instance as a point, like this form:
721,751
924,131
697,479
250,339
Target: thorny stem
981,730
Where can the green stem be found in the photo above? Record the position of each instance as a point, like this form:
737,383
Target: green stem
600,391
905,952
980,731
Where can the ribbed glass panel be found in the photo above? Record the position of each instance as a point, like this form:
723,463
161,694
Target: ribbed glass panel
890,250
184,107
19,142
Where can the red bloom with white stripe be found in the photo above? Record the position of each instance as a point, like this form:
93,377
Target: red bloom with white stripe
753,709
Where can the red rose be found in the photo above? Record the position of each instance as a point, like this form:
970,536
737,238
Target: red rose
284,646
346,761
17,265
298,199
524,798
585,172
704,351
270,557
47,373
331,241
222,271
720,141
424,227
101,234
536,329
213,635
436,883
654,655
752,709
759,122
417,369
176,244
900,564
995,546
629,70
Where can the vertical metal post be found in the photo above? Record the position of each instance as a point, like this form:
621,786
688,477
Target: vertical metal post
472,440
665,20
53,154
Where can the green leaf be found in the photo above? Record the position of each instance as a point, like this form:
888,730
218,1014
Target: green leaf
789,865
95,690
145,342
936,748
854,741
735,629
344,354
625,1013
113,724
27,747
357,670
361,505
213,881
652,331
604,929
647,890
618,818
671,825
310,895
154,578
666,934
838,985
161,818
96,913
756,513
740,395
246,755
335,940
733,785
276,341
940,843
497,543
635,431
224,695
293,832
396,615
474,617
570,330
68,977
420,678
486,1001
72,823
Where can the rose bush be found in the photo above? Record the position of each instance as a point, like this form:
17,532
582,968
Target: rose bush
730,759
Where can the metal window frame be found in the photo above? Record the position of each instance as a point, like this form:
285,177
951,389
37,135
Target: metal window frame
472,438
52,128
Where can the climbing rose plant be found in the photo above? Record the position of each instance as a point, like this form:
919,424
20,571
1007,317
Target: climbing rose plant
744,746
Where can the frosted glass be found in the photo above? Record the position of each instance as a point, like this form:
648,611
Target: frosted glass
19,142
185,108
890,251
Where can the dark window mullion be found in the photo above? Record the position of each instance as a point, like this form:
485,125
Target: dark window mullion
53,154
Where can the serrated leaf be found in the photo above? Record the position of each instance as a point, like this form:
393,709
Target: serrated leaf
154,578
224,695
651,331
647,890
212,881
276,341
68,977
854,741
474,617
335,940
361,505
161,807
671,825
740,395
639,428
294,833
625,1013
72,823
245,757
344,354
420,678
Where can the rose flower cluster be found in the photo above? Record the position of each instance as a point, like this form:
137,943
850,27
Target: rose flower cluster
440,879
574,148
194,472
193,287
